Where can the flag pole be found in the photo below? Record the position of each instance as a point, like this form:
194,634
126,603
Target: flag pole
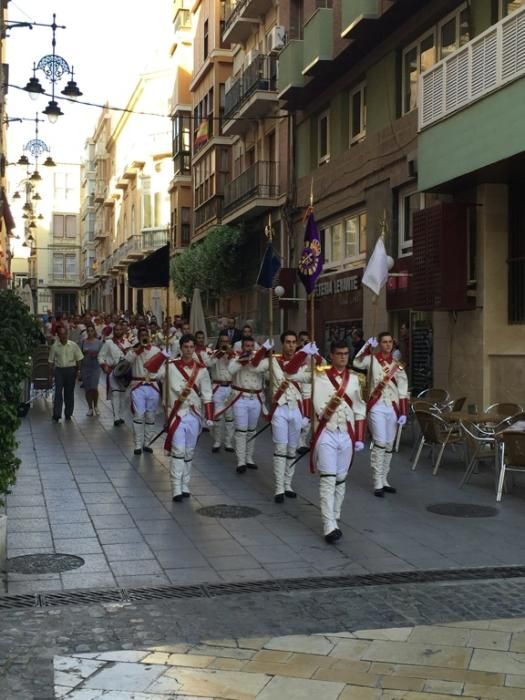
269,235
312,325
166,386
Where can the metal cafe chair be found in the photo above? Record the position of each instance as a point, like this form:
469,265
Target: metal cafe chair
480,445
435,432
434,395
504,409
512,456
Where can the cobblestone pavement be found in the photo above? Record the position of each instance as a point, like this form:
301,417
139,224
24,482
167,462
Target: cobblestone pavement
366,666
81,491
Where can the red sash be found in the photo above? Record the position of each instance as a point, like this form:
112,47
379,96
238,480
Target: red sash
330,409
378,391
174,418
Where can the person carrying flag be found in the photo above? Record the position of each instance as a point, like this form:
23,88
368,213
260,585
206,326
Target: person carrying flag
387,406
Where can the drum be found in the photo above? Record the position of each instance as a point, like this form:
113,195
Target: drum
122,373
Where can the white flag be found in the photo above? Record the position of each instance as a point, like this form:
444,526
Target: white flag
375,275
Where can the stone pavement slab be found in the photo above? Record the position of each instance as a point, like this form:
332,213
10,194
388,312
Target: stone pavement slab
81,491
300,667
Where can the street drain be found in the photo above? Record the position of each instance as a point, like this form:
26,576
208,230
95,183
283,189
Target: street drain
463,510
225,511
43,563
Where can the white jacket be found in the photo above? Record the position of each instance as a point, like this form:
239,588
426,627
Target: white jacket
395,390
344,413
200,394
111,352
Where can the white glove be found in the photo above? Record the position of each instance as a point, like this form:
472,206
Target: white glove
372,342
310,349
401,420
208,423
305,422
268,344
359,446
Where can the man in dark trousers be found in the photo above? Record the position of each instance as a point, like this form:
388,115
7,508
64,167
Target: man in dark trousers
64,361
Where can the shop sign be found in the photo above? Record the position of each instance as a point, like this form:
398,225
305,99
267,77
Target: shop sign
350,283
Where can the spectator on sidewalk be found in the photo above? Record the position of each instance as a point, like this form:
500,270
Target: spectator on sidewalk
64,359
90,368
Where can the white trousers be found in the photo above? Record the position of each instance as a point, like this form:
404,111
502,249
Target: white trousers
333,452
223,427
382,421
246,412
145,400
182,450
286,425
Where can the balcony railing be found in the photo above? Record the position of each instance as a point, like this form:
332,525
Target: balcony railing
210,210
182,21
231,10
260,74
487,63
153,238
258,181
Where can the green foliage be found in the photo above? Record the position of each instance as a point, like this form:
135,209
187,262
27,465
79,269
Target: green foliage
20,334
215,266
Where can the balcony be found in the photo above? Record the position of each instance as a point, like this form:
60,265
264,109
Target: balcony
472,105
71,279
100,190
356,13
238,24
318,41
100,234
154,238
252,96
256,189
291,78
209,211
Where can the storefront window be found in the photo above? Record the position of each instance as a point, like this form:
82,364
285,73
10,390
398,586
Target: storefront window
352,237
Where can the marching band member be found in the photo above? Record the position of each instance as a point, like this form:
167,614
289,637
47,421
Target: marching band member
190,403
145,394
247,401
202,354
111,353
290,408
340,431
221,381
387,406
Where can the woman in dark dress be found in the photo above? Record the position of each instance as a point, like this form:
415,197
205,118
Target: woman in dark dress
90,369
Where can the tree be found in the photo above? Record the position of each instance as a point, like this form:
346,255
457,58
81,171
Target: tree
20,334
215,266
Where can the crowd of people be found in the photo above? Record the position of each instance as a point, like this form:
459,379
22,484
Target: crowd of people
314,407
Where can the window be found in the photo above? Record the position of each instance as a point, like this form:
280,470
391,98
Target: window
508,6
323,138
64,266
358,114
64,185
205,39
64,225
409,201
344,241
185,226
448,36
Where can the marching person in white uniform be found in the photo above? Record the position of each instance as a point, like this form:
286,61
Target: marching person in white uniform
387,406
145,393
190,404
290,410
340,430
111,353
247,400
221,380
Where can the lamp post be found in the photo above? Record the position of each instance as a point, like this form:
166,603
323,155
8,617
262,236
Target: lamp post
54,68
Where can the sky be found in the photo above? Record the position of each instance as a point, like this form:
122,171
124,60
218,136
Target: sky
108,43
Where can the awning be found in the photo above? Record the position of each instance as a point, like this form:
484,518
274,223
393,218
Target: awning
153,271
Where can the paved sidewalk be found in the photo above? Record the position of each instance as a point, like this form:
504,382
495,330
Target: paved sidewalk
81,491
477,659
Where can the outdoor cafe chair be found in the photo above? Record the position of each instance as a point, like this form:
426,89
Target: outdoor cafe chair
504,409
435,432
480,445
435,396
512,455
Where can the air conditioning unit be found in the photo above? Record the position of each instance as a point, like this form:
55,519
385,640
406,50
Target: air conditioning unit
250,57
277,38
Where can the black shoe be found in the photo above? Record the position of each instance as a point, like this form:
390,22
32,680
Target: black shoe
302,450
56,419
250,465
148,449
290,494
332,537
241,469
379,493
186,494
215,449
389,489
339,533
138,451
177,498
121,421
116,423
229,449
68,419
279,498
